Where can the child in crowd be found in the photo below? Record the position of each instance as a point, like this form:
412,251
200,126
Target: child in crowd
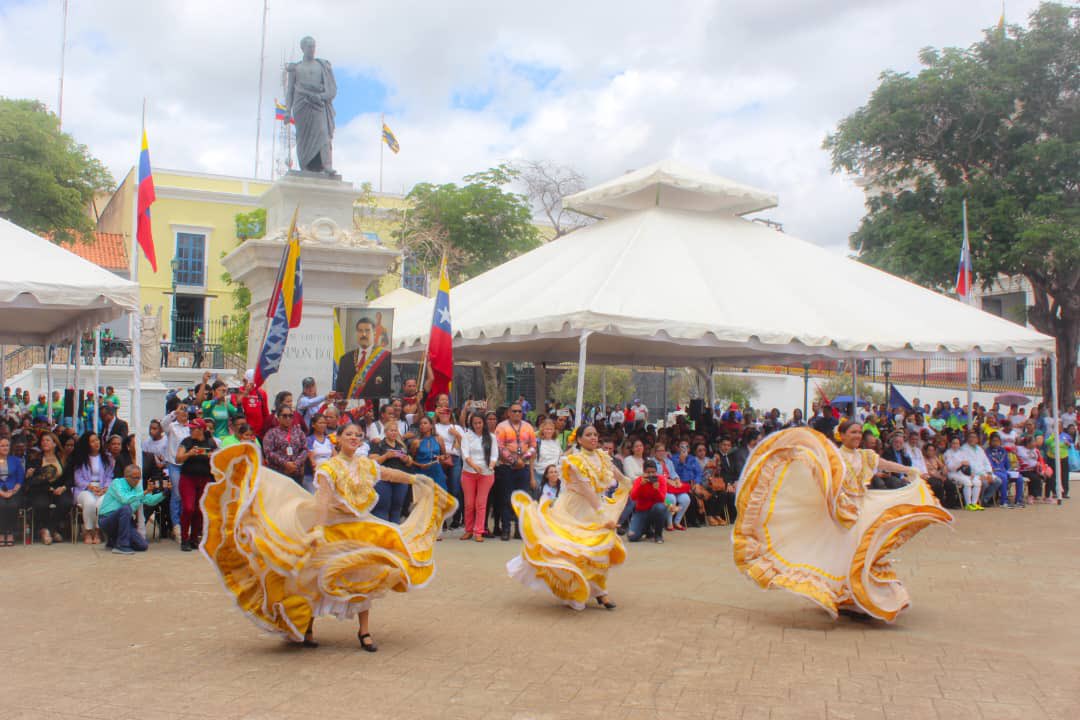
550,490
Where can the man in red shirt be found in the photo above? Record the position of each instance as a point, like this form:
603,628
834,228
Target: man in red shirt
650,513
254,403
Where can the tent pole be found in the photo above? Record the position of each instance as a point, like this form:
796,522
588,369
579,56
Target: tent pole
97,379
578,406
75,394
603,387
48,384
712,387
854,388
970,408
1057,427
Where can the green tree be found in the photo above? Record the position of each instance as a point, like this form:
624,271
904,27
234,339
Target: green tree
618,383
478,225
234,338
997,124
47,180
732,388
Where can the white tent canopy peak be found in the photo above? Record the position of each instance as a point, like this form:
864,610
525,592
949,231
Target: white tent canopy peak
669,184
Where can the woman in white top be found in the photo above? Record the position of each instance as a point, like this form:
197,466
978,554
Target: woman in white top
175,425
479,453
634,463
320,449
451,435
548,452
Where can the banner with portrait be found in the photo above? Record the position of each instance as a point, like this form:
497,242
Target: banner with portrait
362,342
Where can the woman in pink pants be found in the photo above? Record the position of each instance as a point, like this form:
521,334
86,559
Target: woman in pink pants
479,452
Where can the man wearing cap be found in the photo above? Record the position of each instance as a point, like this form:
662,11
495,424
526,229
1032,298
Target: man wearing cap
641,412
255,404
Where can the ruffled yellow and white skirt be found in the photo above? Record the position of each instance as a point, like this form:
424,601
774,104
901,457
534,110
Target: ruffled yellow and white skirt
286,559
806,524
566,550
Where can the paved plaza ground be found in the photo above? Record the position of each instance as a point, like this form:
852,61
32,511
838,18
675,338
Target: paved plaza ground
993,634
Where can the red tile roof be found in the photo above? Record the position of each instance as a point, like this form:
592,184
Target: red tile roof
109,250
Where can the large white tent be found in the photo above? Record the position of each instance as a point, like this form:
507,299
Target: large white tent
675,275
50,295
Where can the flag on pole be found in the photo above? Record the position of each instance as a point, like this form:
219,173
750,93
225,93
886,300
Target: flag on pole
143,235
965,278
339,345
281,113
389,139
289,286
897,400
284,309
440,354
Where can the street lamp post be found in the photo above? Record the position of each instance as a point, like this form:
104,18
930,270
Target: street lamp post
805,389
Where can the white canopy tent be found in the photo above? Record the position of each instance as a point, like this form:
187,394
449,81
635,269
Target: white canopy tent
674,275
49,295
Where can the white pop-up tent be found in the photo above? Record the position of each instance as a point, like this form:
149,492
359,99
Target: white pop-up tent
674,275
49,294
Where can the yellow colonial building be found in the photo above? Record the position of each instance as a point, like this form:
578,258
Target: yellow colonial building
194,227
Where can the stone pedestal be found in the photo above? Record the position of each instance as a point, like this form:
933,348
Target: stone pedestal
339,264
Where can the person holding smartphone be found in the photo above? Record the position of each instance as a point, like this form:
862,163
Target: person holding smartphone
391,452
193,455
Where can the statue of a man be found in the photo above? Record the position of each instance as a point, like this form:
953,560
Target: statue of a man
150,343
310,97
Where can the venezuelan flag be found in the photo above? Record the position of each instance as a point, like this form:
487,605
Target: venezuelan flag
441,341
289,287
339,344
389,139
143,235
281,113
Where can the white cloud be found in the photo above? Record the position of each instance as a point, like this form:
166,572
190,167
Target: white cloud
748,90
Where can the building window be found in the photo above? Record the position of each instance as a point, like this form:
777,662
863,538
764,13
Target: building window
413,276
191,257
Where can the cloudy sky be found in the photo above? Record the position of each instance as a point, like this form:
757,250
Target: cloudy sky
744,89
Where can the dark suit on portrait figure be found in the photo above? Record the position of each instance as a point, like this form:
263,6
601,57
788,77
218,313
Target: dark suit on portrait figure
374,362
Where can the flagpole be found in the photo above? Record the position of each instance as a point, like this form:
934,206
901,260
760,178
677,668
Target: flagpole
967,300
135,319
63,53
258,110
382,124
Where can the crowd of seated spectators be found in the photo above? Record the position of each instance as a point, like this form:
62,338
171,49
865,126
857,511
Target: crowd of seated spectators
70,478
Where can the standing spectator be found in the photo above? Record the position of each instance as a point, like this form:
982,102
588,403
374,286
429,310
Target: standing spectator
198,347
164,351
310,400
111,398
194,458
255,405
176,429
47,492
452,435
650,512
285,446
219,410
427,452
392,453
480,453
387,416
320,449
517,447
122,503
92,472
110,424
548,452
641,412
12,477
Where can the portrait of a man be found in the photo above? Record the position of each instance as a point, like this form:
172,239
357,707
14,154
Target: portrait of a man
364,370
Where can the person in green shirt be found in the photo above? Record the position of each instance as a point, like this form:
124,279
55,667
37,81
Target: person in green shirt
111,398
40,409
219,410
117,510
242,432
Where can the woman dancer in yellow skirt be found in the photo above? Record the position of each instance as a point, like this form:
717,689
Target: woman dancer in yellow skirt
570,543
808,523
288,556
